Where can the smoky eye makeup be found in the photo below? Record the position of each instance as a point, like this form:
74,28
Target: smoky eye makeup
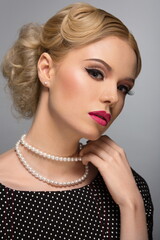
95,73
126,90
98,73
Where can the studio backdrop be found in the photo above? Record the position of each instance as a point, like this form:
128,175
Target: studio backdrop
137,128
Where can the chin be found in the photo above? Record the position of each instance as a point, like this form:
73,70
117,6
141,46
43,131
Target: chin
93,135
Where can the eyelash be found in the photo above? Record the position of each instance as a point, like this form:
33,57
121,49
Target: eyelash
93,71
127,90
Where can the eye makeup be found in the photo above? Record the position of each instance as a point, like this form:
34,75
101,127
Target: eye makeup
98,72
95,73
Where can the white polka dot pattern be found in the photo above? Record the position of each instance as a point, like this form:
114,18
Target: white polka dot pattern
85,213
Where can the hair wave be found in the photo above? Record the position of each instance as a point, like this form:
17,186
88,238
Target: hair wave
72,27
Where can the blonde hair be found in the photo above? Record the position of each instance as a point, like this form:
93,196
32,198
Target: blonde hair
72,27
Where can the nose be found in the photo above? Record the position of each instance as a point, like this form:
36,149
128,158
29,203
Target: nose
110,93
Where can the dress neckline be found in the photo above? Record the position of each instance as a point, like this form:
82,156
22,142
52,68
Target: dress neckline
4,187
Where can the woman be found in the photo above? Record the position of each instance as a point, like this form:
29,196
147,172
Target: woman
72,75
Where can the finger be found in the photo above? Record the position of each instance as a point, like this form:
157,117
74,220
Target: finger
104,139
115,152
94,149
109,141
107,150
108,155
94,159
112,144
99,148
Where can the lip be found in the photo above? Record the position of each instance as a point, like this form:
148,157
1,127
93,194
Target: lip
101,117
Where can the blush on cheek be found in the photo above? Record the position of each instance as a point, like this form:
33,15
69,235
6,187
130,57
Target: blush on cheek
71,85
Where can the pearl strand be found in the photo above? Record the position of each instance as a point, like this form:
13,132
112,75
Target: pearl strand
46,155
44,179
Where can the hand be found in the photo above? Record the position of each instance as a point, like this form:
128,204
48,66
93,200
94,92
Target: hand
112,163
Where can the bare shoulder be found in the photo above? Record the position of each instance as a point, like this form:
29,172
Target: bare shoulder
8,167
6,159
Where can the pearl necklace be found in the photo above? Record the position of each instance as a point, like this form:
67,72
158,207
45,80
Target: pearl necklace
44,179
46,155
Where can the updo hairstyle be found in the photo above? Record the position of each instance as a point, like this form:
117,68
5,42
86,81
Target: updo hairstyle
73,27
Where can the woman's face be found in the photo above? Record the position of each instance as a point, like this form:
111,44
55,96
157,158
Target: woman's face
96,77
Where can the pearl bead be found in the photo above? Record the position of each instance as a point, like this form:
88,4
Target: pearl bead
44,179
48,156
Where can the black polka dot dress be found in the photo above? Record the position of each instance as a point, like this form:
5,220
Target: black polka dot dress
85,213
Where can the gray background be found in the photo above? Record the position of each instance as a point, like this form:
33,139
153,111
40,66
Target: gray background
137,128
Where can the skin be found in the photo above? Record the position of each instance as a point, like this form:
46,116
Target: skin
70,90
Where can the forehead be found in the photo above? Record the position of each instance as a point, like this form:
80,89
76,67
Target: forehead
116,52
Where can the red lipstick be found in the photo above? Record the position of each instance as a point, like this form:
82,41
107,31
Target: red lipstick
100,117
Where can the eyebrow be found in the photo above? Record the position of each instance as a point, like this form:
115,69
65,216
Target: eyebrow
101,61
107,66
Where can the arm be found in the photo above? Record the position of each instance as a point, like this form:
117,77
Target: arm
113,165
133,221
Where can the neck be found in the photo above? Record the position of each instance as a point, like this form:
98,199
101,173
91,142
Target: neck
54,141
47,134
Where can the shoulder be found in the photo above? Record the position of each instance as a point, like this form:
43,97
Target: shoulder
6,158
7,166
145,192
143,188
141,182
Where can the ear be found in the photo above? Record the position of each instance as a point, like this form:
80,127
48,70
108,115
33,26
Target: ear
45,69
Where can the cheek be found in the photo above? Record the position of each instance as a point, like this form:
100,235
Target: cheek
119,107
71,86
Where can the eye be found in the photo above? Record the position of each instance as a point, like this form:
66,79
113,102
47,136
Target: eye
95,73
125,89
